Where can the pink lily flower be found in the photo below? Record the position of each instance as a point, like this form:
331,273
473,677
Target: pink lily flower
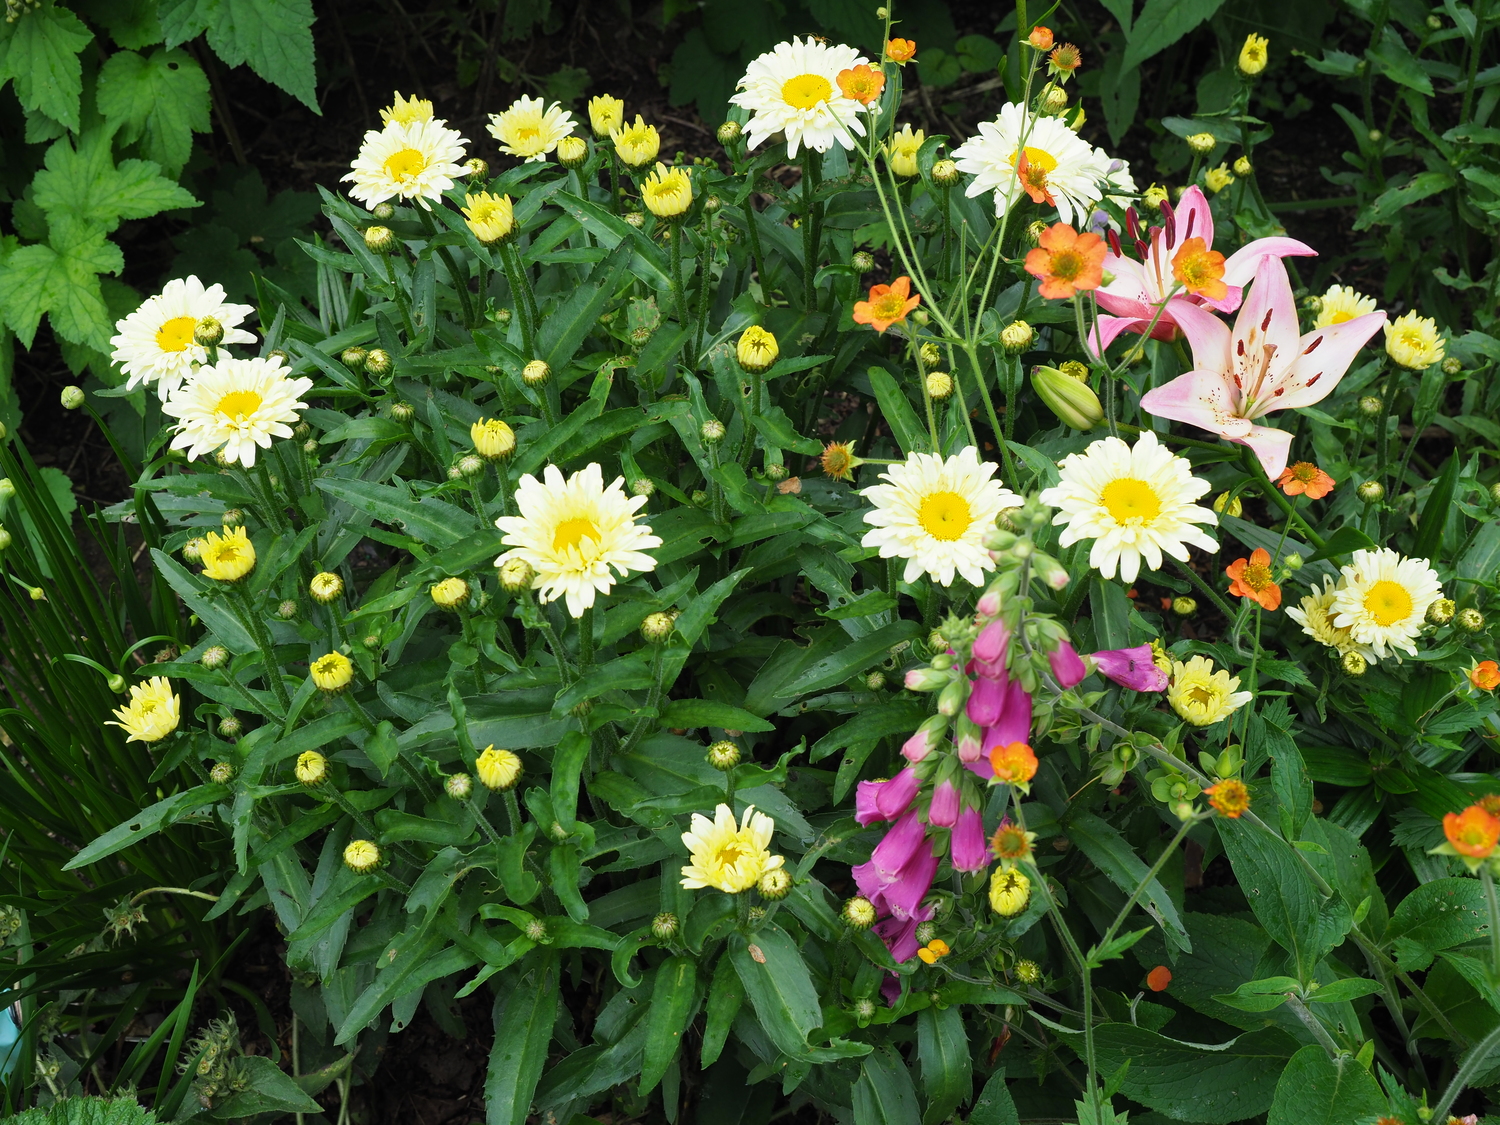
1131,667
943,812
969,850
1262,365
1138,288
885,800
1067,666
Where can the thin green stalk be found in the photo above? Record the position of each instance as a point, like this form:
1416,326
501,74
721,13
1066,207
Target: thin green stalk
757,255
1473,1061
752,411
1313,1024
520,287
403,301
674,240
1151,874
274,514
810,170
1488,882
705,284
257,629
586,641
1205,589
460,281
513,811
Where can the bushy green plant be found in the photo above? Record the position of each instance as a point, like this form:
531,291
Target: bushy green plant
462,728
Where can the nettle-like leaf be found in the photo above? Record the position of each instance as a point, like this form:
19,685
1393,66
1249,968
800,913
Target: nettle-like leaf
160,100
60,278
273,36
82,187
40,53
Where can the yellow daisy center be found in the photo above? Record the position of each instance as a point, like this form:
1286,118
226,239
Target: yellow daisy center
238,404
1202,696
405,164
526,133
730,854
1035,158
176,334
146,706
945,516
571,534
806,90
1340,316
1130,500
1388,602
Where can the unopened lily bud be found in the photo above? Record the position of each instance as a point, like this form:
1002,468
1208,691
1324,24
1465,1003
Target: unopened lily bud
1441,611
116,684
72,397
380,240
535,373
1469,619
939,386
723,755
945,173
208,332
1074,403
378,363
5,539
7,489
1371,491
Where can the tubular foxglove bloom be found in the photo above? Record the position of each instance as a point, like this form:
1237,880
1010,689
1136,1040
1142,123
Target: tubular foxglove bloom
885,800
1262,365
794,89
1137,289
1067,666
943,812
1133,668
900,937
968,849
986,701
991,649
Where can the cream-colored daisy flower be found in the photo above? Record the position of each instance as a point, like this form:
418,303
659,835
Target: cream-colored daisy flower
793,89
1342,303
1382,600
418,160
152,713
1202,696
530,128
404,111
636,144
572,532
1060,168
1412,341
729,856
1135,503
155,343
1315,615
236,405
935,512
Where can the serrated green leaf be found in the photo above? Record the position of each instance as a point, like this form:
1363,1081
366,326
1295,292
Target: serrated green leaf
1279,889
39,52
161,100
61,279
1314,1087
82,187
1436,916
273,36
1161,23
995,1105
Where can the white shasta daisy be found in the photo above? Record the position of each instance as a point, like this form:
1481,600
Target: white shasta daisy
236,405
1383,599
1134,502
1315,615
1342,303
573,531
1061,168
794,89
935,512
530,128
413,160
155,343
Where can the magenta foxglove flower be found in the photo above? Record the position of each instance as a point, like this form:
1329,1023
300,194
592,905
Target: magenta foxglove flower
900,870
1262,365
943,812
1131,667
1137,288
885,800
969,850
986,698
970,742
900,937
1012,725
1067,667
990,649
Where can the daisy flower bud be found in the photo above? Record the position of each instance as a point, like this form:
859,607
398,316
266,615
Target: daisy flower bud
723,755
1371,492
450,593
230,727
1441,611
757,350
1242,166
208,332
498,769
535,373
712,432
378,363
516,575
1371,406
1201,142
729,133
1354,664
361,856
403,412
332,673
1469,619
222,773
325,587
1028,972
286,610
859,913
72,397
643,486
1017,337
664,926
476,168
214,657
380,240
945,173
939,385
311,768
1254,55
657,627
1184,606
775,884
459,786
572,152
862,262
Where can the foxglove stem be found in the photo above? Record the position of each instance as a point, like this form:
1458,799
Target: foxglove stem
1313,1024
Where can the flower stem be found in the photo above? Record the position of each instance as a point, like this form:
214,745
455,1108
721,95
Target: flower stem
586,641
810,170
1488,881
674,238
520,287
257,629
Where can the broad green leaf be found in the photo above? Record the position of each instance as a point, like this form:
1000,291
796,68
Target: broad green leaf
943,1051
780,989
268,1089
149,821
1261,995
160,100
1435,512
884,1094
431,521
1390,203
1279,889
725,997
1314,1087
995,1105
1192,1081
523,1017
1116,858
39,52
568,761
897,410
565,326
273,36
61,279
1436,916
83,187
1161,23
690,713
823,666
1345,541
674,1001
1395,59
1348,988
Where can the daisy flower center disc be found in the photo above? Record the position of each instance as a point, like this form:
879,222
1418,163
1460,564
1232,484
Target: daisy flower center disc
1202,696
238,404
806,90
945,516
1388,602
1035,158
570,534
176,334
1130,501
405,164
729,855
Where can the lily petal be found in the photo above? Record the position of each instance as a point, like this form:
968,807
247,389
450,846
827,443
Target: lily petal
1271,446
1209,336
1191,219
1240,267
1204,399
1322,360
1268,318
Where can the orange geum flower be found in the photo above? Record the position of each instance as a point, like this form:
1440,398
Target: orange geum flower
1064,60
1229,797
1200,270
1473,832
862,83
1032,176
1305,477
1011,842
1040,38
934,949
838,460
1485,675
887,305
1014,763
1158,978
900,51
1067,261
1251,578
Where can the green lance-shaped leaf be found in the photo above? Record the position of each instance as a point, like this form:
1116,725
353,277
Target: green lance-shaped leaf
1279,889
995,1105
725,997
674,1001
523,1029
884,1094
780,988
1117,859
1436,916
149,821
943,1050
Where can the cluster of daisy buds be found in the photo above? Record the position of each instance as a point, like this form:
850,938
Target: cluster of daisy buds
1012,548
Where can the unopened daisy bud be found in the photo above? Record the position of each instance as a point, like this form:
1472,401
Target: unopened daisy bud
635,218
378,363
1441,611
729,132
863,1010
1452,365
723,755
1201,142
7,489
214,657
1242,166
493,439
535,373
657,627
1217,179
642,486
516,575
939,386
572,152
5,539
875,681
862,261
1054,98
286,610
1371,406
311,448
1354,664
926,931
775,884
936,642
371,641
497,769
459,786
713,203
311,768
664,926
116,684
380,240
945,173
712,432
361,856
930,354
208,332
450,593
230,727
72,397
535,930
1184,606
1017,337
384,212
1469,619
1035,230
640,336
778,472
859,913
325,587
1254,55
757,350
470,465
222,773
1227,505
1073,369
332,673
1371,492
476,168
1028,972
